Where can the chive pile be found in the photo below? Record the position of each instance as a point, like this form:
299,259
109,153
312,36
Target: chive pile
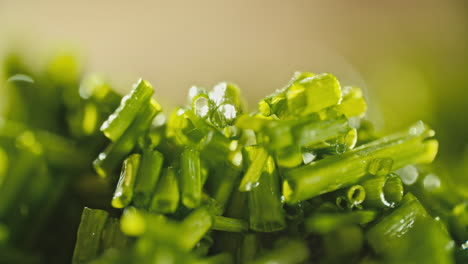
302,179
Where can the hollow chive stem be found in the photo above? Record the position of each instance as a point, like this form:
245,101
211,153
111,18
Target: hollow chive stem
259,157
289,252
166,195
89,235
108,161
124,191
355,194
147,178
225,184
386,191
336,172
228,224
191,178
266,212
130,106
194,227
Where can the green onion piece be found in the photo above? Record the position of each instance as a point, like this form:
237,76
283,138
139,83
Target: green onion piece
191,178
108,161
112,236
194,227
166,195
124,191
356,194
289,252
266,212
258,156
326,222
383,192
226,179
313,133
336,172
289,157
313,94
380,166
202,248
228,224
407,233
249,248
130,106
221,258
89,235
148,175
353,103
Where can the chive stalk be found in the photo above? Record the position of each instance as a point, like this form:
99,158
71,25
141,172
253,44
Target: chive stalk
336,172
191,178
130,106
166,195
386,191
89,235
228,224
124,191
147,178
259,157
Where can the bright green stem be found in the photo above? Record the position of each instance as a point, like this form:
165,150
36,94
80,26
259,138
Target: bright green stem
381,192
258,156
148,175
332,173
166,196
194,227
290,252
130,106
191,177
124,191
89,235
228,224
266,212
108,161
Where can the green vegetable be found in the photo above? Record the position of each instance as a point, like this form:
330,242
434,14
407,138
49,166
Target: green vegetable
166,195
124,191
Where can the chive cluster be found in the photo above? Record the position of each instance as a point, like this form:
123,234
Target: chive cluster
302,179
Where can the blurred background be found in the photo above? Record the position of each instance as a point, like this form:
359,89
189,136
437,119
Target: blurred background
410,57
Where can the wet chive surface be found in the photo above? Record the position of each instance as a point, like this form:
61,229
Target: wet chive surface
303,179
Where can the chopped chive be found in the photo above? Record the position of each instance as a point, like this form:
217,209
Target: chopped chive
191,178
289,157
124,191
380,166
166,195
89,235
381,192
108,161
289,252
226,180
336,172
327,222
129,107
353,103
266,212
355,194
112,236
258,157
228,224
148,175
194,227
249,248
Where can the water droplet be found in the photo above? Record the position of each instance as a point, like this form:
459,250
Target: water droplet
308,157
408,174
431,182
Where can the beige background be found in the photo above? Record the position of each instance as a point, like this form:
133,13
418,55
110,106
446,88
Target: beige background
256,44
